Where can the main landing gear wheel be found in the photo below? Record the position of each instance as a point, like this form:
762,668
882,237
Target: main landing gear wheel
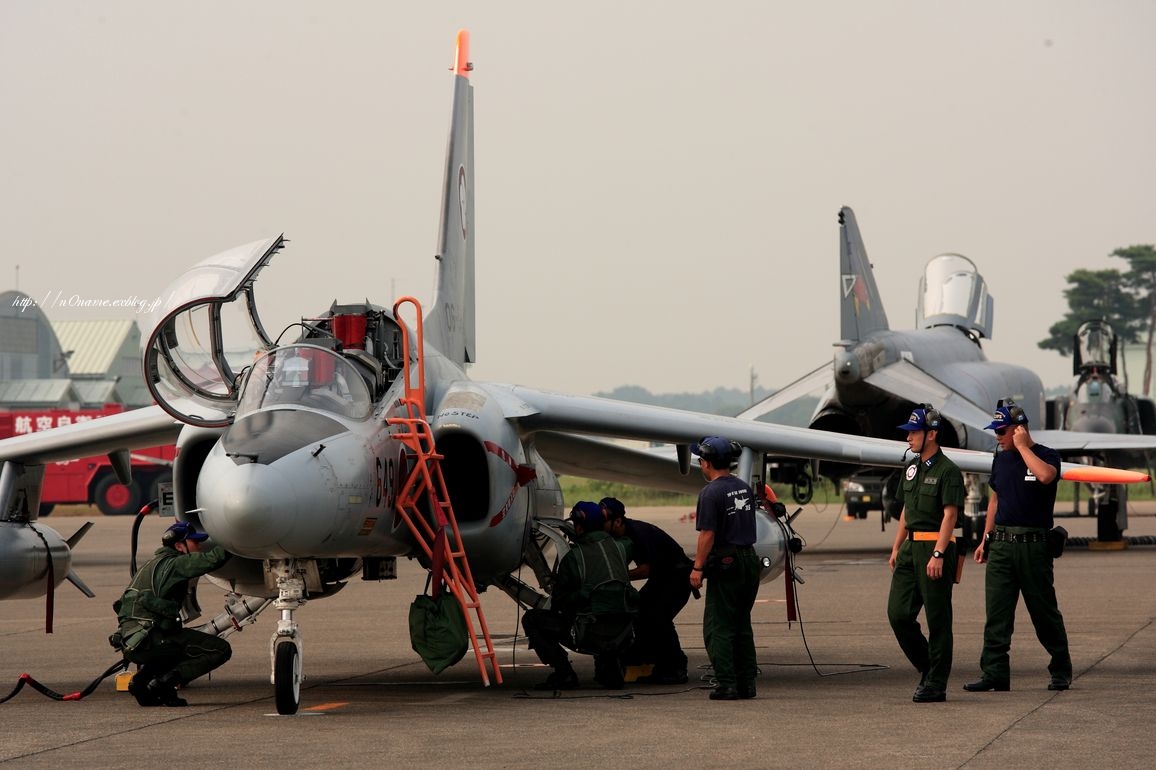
287,678
802,489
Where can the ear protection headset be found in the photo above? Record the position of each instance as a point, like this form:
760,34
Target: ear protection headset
931,416
715,458
1014,411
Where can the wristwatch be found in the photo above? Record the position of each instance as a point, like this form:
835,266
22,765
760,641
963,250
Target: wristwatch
937,554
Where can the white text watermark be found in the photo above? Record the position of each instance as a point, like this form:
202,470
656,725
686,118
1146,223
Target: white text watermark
60,299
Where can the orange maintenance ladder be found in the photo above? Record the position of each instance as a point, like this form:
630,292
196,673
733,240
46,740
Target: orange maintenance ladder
425,482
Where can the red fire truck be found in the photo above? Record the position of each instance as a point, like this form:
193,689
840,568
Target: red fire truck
91,480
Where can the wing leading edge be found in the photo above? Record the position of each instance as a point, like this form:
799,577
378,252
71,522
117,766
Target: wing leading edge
556,417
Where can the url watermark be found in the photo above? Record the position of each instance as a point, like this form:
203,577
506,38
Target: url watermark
60,299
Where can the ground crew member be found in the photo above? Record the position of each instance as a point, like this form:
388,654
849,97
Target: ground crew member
592,578
150,632
661,562
725,555
924,556
1019,516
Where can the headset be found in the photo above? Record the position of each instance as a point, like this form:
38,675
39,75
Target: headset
1015,412
931,416
716,458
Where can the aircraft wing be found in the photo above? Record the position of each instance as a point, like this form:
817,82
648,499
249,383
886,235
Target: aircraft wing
563,426
134,429
908,381
813,380
592,416
1070,442
576,455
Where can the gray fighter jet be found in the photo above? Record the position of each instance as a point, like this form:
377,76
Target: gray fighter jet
302,457
878,375
1099,402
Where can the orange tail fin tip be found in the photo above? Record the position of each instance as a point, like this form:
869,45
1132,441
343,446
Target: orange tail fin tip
462,65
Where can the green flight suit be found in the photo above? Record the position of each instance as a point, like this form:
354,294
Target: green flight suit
592,578
925,489
149,617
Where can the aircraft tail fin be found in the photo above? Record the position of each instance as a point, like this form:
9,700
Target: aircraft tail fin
861,307
449,325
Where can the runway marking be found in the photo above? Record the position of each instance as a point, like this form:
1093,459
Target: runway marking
328,706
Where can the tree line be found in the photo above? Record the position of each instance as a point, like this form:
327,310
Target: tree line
1126,299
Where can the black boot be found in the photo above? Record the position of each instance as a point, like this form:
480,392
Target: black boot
138,688
164,690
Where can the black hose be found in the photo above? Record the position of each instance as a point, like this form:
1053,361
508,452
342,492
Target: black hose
26,679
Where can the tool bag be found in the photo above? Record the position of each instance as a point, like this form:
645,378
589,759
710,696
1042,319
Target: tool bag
437,630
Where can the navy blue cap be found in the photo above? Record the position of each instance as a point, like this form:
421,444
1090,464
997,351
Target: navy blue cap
718,446
588,514
918,421
1002,417
614,507
182,531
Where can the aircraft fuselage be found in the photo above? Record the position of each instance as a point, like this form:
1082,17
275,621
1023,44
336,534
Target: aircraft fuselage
859,404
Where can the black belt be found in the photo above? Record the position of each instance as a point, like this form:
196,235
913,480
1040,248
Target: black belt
1024,537
743,547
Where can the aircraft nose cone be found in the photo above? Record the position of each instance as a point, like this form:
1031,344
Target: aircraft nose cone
846,367
246,507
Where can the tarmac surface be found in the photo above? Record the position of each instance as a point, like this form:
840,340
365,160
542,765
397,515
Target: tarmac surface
834,690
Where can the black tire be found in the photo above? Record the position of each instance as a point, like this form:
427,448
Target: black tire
857,511
45,509
287,678
802,489
114,498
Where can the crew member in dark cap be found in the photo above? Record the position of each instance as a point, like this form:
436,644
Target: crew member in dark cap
661,562
1015,547
924,557
725,554
592,579
150,632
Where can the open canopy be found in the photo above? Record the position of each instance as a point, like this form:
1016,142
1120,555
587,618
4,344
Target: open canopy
207,332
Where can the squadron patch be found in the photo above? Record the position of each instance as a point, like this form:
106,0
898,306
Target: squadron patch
910,472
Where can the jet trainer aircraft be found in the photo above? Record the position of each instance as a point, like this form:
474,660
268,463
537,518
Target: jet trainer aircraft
878,375
364,439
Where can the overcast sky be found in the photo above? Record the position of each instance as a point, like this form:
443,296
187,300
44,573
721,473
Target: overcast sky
657,182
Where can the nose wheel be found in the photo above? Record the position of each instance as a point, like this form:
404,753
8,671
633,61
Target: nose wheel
285,647
287,677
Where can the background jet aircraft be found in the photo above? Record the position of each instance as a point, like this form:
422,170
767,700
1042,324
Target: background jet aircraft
363,439
879,375
1099,402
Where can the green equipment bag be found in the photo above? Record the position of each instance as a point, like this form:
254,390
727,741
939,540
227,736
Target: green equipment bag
437,630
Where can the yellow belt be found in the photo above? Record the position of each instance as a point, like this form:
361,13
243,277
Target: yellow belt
928,536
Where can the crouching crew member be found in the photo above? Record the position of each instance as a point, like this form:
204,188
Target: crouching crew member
661,562
592,579
149,611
